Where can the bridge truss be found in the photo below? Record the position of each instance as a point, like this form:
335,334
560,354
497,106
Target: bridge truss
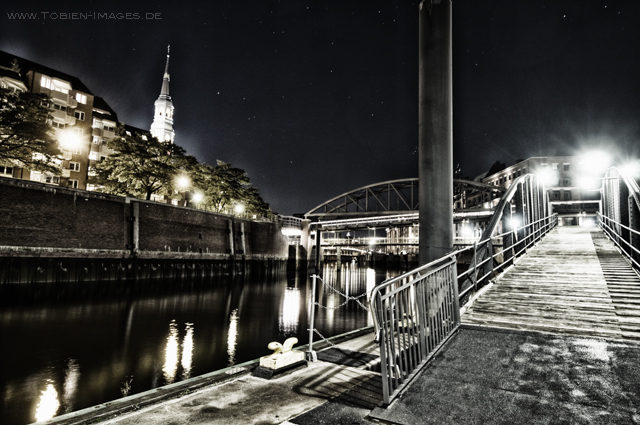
389,198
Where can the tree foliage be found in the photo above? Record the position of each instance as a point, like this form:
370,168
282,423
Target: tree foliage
140,166
26,137
223,187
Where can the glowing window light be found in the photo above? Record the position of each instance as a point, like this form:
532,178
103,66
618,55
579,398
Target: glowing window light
187,351
48,404
232,338
171,354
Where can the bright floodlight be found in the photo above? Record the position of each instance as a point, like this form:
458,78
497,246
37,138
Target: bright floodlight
595,162
197,197
547,177
239,208
514,223
70,140
183,182
631,169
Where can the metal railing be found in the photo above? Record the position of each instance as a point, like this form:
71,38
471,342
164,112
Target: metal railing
415,314
619,217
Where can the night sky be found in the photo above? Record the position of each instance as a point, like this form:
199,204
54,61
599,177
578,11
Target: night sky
314,98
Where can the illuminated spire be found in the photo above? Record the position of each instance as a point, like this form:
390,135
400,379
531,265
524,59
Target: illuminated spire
165,81
162,126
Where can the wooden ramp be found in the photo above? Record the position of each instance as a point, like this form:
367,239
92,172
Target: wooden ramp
573,282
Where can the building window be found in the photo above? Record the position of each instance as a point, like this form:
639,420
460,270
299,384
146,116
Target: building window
102,158
79,131
81,98
46,83
93,156
556,195
79,115
97,124
567,195
74,166
554,165
108,127
72,183
6,170
566,167
566,182
59,107
57,124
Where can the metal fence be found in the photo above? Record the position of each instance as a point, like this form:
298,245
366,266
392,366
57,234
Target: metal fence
415,313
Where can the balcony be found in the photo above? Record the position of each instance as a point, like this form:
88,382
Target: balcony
62,97
70,119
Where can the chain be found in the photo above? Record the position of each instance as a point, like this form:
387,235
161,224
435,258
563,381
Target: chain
323,338
348,298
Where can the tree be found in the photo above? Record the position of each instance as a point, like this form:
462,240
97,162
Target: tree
140,166
26,137
224,186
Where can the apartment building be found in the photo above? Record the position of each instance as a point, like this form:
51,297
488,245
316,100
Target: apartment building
72,111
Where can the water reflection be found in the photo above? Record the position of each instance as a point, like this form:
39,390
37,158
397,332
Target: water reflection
120,332
290,312
48,404
187,351
171,354
71,378
232,338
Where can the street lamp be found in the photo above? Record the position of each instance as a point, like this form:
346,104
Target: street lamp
239,209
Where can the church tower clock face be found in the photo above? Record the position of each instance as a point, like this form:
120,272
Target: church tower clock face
162,126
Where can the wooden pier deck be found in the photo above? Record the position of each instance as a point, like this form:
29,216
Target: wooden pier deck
573,282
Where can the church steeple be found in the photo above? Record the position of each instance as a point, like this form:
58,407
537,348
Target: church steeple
162,126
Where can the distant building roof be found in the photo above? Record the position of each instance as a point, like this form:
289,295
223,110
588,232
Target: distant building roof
26,66
131,129
103,109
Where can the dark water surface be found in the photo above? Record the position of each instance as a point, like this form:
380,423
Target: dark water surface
66,347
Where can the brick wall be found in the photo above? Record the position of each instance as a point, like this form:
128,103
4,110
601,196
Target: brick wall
39,215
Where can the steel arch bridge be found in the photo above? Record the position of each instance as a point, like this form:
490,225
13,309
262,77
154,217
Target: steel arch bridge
391,197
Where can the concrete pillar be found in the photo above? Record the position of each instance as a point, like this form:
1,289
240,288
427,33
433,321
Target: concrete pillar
435,131
244,245
230,232
136,226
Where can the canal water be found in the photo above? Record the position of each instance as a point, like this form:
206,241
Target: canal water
68,346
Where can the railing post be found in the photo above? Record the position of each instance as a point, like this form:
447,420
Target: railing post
311,355
475,265
634,224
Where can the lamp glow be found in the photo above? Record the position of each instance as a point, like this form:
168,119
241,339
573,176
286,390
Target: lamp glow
197,197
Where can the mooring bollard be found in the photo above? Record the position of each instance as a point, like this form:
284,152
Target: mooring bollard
311,355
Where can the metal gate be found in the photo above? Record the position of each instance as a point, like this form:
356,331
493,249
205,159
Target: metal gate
414,315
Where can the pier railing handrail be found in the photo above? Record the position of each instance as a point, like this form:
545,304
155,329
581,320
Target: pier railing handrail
415,313
619,217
